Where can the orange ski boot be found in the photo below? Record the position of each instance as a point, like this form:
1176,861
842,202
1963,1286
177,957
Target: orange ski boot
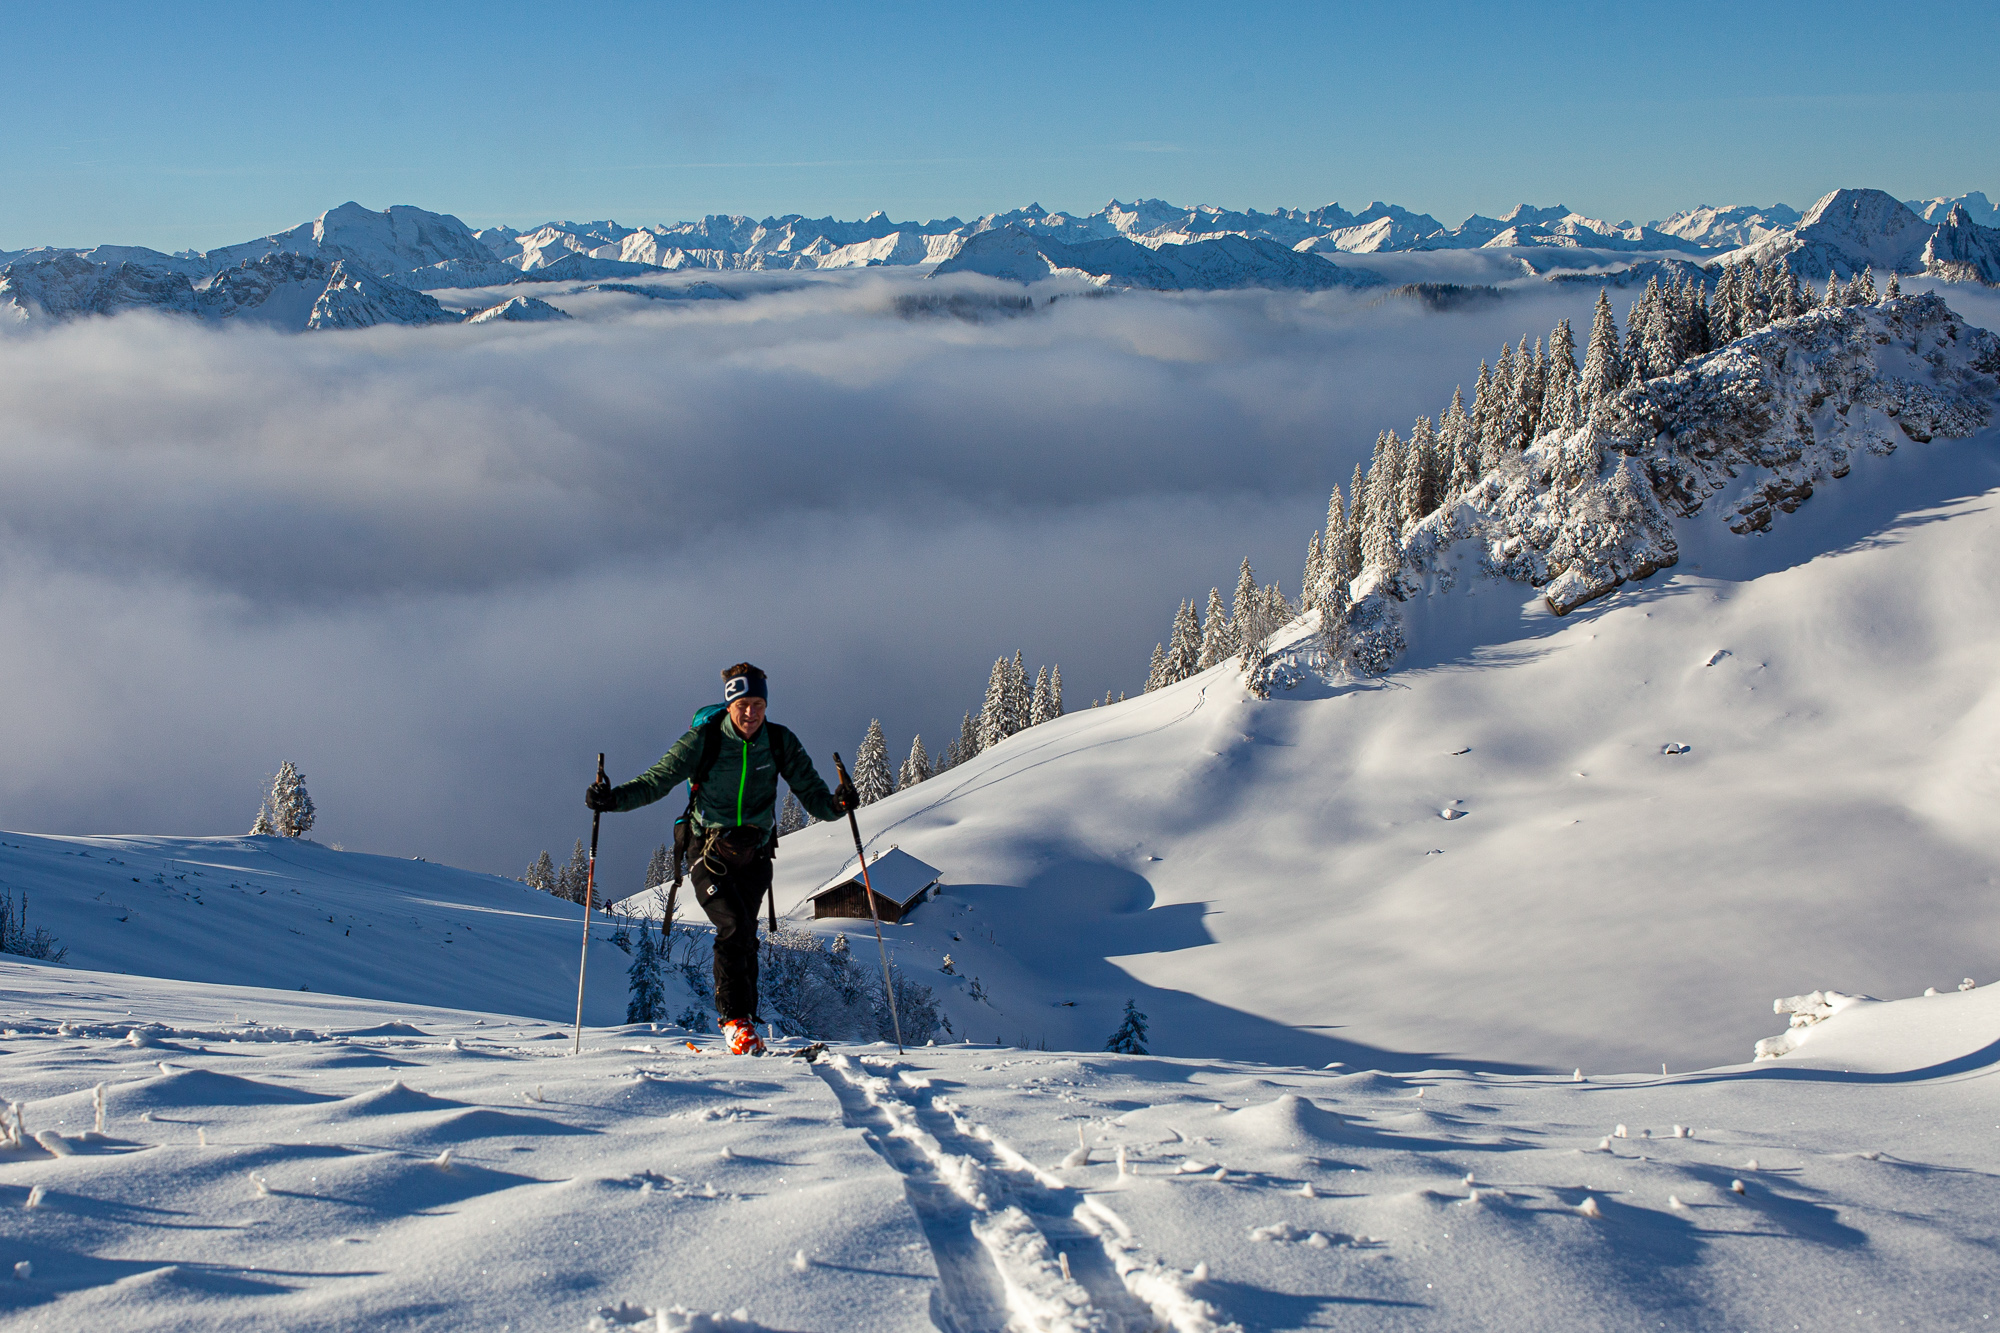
743,1039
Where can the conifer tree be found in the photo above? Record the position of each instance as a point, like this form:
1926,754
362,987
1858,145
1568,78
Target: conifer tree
1184,649
262,824
1562,355
916,768
1017,695
573,880
1865,287
1313,578
1722,316
792,817
968,740
1218,639
993,713
872,780
1246,599
658,869
1055,693
1603,368
1481,429
541,873
1505,407
1379,547
1333,552
1038,699
1530,373
646,995
1456,470
1894,287
1130,1038
1420,474
1156,674
292,810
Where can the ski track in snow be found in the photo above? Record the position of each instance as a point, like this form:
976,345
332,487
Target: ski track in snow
1001,1229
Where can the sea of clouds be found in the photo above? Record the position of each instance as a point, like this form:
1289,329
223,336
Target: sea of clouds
441,568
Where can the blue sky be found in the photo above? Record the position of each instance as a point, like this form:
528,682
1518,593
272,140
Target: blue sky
177,126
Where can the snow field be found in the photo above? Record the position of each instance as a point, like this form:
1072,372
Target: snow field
438,1170
1273,879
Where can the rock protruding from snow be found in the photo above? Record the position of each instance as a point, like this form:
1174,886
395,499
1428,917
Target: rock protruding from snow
521,309
65,285
1961,250
357,299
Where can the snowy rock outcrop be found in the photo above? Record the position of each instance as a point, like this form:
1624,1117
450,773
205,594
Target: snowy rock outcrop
1961,250
1741,434
356,299
1851,230
65,285
521,309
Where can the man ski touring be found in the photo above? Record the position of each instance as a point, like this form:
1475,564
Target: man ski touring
731,758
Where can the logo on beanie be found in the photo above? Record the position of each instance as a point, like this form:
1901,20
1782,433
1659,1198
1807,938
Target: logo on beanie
743,687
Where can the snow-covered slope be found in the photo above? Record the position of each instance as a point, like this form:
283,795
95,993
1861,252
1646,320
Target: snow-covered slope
1730,227
1976,205
1226,262
1601,840
520,310
400,237
293,915
268,1159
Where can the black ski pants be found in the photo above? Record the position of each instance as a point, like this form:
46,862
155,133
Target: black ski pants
732,902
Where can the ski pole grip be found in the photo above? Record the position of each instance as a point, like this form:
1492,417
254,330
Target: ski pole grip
839,767
600,768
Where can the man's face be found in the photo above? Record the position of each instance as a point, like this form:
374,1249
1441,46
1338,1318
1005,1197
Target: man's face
747,714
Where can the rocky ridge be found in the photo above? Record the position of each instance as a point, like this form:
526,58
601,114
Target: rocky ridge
1737,437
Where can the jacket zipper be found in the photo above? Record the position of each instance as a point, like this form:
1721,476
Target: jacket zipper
742,782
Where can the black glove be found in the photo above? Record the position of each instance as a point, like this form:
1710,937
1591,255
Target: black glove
597,796
849,798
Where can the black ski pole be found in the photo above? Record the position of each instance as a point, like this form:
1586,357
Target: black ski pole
861,855
589,897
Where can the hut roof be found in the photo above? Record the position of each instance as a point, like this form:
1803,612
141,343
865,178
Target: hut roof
895,875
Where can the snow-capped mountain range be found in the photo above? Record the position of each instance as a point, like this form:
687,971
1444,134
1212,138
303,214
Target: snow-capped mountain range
352,267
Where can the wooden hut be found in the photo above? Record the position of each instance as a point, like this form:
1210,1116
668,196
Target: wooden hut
900,881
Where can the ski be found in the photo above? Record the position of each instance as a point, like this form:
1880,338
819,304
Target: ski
809,1054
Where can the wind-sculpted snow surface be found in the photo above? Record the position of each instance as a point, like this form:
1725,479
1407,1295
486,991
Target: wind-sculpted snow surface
224,1158
1735,437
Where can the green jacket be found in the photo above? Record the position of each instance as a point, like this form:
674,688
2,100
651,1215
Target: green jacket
742,787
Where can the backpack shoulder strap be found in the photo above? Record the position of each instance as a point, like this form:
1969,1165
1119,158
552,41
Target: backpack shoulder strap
782,743
711,746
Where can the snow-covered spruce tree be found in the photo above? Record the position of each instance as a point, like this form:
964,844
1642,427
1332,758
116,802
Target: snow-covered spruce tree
541,873
1245,605
1017,695
1893,288
1458,461
1562,355
1038,698
993,712
1832,297
1506,414
1218,639
1184,651
292,810
1530,373
1866,283
646,992
916,767
968,740
1130,1038
1333,553
1312,580
573,880
658,869
262,825
1156,674
1723,315
872,779
1055,693
1603,366
1419,491
792,817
